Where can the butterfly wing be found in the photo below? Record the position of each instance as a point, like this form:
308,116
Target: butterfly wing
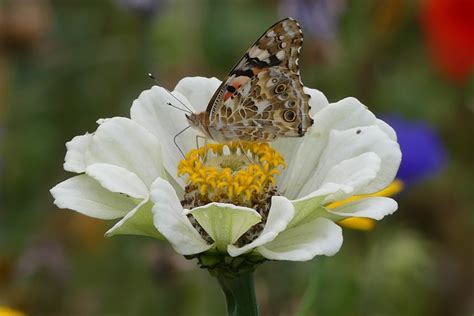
263,98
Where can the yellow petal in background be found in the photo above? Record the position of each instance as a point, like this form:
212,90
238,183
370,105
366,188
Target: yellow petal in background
366,224
358,223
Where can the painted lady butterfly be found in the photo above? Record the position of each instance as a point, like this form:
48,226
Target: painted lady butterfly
262,98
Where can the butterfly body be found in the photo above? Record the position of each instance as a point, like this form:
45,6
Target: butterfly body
262,98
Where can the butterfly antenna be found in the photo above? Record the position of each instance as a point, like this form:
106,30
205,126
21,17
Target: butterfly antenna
174,106
169,103
176,136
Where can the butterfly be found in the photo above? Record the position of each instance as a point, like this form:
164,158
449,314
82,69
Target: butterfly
262,98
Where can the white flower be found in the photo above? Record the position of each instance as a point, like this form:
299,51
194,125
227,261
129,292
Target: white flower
117,165
130,170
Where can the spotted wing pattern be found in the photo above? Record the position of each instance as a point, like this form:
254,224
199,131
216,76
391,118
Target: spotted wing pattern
262,98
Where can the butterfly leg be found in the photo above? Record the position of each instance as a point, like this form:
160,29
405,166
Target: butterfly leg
205,143
175,139
197,140
244,152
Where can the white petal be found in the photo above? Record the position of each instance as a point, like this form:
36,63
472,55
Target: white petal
346,114
374,207
317,100
170,220
350,143
288,147
387,129
151,111
178,187
102,121
139,221
340,182
118,179
85,195
280,214
350,112
356,173
225,223
122,142
75,155
198,90
304,242
362,168
311,206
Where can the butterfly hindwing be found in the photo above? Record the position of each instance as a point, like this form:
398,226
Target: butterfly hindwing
270,105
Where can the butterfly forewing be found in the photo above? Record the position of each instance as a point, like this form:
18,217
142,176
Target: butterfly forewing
278,46
262,98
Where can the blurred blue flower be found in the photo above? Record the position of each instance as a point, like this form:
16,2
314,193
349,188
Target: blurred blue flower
147,8
319,18
422,148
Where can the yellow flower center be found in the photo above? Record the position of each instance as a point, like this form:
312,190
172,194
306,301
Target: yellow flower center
236,172
239,173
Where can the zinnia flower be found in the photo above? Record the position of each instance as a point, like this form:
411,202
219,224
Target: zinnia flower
232,205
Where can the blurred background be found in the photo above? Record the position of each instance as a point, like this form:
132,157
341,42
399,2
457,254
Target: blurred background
64,64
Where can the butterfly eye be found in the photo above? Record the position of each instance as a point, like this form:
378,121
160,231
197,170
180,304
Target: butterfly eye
274,80
289,115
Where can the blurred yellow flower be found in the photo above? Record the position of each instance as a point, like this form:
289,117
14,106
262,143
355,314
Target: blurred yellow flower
7,311
362,223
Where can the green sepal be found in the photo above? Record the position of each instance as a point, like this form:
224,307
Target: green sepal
221,264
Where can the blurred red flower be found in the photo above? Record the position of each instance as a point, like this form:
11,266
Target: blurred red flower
449,29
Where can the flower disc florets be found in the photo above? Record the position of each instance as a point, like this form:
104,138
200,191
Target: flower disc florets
239,173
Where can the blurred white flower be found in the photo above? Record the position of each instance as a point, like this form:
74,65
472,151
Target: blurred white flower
232,203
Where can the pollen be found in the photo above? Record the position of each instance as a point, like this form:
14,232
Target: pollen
236,172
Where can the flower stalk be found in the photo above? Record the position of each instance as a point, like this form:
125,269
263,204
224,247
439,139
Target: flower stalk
239,293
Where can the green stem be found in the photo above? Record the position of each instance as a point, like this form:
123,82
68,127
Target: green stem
307,303
240,294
